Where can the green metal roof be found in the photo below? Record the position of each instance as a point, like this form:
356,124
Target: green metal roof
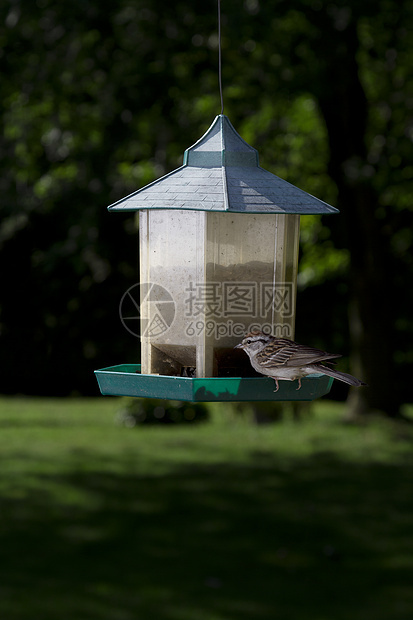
221,172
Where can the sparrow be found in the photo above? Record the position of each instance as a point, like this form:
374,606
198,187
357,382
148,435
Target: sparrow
286,360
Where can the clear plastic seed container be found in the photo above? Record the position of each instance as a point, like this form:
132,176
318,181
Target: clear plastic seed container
207,278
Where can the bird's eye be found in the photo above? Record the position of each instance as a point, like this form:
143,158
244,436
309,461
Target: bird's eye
248,341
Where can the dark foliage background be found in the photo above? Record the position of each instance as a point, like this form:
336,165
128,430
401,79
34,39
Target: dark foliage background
98,100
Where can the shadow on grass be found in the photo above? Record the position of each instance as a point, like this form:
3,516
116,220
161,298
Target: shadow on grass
309,539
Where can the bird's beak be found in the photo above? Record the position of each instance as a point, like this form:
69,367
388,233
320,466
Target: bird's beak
239,346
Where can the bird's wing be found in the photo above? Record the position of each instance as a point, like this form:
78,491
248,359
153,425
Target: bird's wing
276,353
288,354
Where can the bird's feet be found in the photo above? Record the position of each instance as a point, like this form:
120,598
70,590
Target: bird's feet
277,384
299,384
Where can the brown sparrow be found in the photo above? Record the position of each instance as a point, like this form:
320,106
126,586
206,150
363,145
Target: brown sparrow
286,360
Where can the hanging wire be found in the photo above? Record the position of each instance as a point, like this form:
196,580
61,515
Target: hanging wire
220,57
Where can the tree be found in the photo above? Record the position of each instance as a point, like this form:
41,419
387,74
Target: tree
345,54
96,103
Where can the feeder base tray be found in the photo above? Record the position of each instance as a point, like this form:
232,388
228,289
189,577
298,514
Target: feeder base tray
126,380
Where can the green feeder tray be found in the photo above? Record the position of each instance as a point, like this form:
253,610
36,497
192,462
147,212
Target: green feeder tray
127,380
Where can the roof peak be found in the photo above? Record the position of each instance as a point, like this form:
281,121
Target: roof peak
221,145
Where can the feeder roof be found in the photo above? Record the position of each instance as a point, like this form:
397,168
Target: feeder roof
221,172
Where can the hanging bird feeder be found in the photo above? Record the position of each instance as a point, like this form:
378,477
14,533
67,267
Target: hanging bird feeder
218,258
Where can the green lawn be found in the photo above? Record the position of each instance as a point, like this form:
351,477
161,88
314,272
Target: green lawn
218,521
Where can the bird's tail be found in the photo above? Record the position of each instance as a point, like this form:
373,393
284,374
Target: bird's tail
337,374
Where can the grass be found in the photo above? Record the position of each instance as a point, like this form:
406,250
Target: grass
219,521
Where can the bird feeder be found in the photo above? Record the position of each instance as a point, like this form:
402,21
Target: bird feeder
218,258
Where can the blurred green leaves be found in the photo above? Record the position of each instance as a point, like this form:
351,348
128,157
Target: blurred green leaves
98,101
